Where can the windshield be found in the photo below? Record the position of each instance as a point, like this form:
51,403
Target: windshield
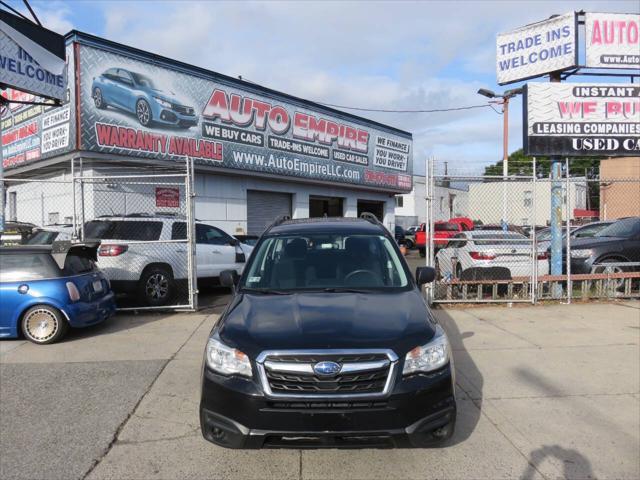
324,261
622,228
142,80
42,237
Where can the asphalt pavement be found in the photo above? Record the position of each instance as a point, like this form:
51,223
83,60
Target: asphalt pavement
551,391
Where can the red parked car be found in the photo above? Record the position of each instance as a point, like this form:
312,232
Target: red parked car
442,232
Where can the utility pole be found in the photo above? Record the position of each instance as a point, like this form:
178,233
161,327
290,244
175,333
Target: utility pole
556,211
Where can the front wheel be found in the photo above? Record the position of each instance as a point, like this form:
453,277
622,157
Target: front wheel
423,252
409,243
98,99
610,267
156,286
43,324
143,112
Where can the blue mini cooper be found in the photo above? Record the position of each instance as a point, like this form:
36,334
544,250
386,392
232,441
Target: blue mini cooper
138,94
46,289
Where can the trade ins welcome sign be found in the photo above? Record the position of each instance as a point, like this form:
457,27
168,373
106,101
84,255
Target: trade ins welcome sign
537,49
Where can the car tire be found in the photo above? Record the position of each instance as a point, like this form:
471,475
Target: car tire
409,244
423,252
43,324
143,112
458,271
613,269
156,286
98,99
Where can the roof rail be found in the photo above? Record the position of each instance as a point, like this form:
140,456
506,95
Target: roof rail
279,220
370,217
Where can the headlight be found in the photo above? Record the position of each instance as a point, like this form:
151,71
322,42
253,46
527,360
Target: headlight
581,253
163,102
429,357
227,360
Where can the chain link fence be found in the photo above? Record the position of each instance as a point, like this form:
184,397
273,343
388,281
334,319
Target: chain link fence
143,218
495,242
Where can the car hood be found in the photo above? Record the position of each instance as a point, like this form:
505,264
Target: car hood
324,320
168,96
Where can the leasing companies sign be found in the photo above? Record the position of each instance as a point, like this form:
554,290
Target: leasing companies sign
577,119
537,49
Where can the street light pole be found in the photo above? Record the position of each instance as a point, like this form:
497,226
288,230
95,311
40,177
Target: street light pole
505,159
504,101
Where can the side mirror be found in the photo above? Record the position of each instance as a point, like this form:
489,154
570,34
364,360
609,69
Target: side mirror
425,275
234,242
229,278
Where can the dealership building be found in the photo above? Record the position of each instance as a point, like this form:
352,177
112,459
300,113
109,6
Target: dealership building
257,153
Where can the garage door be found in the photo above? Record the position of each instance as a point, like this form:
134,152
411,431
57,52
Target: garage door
264,207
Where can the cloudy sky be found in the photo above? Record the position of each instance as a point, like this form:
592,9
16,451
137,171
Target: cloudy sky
386,55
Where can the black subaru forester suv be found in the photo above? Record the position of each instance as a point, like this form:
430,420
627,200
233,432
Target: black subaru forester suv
327,342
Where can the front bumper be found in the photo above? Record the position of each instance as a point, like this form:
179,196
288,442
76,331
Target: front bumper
419,412
172,117
578,265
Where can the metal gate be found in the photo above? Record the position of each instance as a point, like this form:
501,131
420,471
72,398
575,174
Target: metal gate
144,218
494,246
263,207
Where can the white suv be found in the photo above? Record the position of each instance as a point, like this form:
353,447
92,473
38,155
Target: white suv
156,271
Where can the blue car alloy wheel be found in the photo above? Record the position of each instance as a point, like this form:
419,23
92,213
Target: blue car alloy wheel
143,112
43,324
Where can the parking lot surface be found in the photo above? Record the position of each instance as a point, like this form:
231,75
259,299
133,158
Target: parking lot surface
551,391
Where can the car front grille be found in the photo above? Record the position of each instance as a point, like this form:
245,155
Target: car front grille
362,374
183,110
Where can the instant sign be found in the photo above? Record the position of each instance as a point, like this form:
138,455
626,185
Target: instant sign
537,49
612,40
576,119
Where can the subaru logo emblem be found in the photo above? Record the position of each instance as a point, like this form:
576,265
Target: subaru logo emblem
327,368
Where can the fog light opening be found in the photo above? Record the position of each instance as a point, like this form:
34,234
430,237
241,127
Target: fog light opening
441,432
218,433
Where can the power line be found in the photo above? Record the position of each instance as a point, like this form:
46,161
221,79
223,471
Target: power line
384,110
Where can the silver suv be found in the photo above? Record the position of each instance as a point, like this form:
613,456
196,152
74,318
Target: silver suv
146,255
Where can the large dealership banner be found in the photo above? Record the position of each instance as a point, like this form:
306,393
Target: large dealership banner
537,49
134,108
578,119
34,132
612,40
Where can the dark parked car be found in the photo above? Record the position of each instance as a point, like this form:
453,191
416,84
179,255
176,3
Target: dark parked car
403,237
138,94
327,342
616,244
16,233
46,289
250,240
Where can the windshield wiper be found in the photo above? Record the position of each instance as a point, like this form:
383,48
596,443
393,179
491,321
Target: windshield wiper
345,290
265,291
